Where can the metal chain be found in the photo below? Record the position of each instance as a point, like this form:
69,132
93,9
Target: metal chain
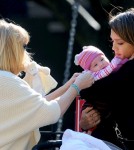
72,32
71,40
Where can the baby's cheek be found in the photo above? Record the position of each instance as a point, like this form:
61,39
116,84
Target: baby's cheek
94,69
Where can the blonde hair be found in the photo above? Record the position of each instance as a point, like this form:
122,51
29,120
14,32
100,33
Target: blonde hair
13,56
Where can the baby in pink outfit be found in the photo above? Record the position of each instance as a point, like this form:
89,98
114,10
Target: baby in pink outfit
93,59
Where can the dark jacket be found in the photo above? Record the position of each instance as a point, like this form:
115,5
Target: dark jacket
113,97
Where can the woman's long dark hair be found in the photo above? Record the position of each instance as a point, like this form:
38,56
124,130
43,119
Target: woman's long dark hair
123,25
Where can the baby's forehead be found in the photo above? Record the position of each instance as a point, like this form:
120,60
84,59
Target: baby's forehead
98,58
102,56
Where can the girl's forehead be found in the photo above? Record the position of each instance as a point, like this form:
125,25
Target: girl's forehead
115,36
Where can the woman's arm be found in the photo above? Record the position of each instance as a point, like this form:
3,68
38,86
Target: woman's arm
55,94
84,80
102,93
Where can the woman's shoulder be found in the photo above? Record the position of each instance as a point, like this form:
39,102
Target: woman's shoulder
9,79
130,62
128,67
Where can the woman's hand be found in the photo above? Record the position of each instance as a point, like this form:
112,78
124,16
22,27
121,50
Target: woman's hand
71,80
84,80
89,118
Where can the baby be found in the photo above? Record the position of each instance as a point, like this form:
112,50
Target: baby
93,59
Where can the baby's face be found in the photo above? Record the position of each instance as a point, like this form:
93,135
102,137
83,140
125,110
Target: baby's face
99,63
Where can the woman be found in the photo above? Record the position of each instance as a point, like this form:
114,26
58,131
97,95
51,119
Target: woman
22,110
112,96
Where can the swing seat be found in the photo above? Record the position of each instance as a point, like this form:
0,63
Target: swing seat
48,145
48,140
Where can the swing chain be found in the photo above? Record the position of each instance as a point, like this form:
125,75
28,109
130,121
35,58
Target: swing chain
72,33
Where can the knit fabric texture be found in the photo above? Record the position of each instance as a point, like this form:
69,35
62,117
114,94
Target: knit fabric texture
85,58
22,112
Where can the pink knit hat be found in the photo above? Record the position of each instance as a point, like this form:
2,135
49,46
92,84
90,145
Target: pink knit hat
85,58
